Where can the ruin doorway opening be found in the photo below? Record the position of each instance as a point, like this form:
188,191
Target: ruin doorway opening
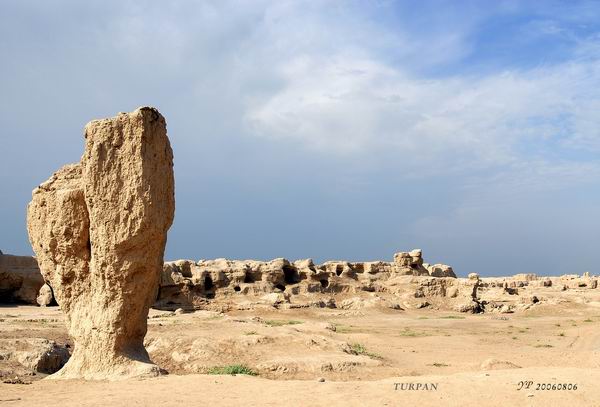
290,275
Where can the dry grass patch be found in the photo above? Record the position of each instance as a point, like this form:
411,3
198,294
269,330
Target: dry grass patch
281,322
437,364
410,333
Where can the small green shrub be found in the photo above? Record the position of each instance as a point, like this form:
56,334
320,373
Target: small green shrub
360,349
232,370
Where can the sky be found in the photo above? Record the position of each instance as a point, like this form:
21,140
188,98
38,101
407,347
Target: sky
327,129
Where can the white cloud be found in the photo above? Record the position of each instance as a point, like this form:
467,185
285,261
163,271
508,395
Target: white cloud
348,104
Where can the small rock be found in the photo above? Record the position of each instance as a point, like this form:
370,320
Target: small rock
44,296
416,304
440,270
416,253
321,379
43,356
330,326
467,306
276,298
422,304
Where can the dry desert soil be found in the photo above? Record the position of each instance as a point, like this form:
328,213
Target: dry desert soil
326,357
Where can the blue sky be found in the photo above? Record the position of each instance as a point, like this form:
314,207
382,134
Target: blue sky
328,129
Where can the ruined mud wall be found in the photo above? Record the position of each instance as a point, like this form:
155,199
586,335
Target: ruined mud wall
20,279
407,282
186,283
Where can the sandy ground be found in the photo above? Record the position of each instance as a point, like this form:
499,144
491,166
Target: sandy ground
360,354
497,388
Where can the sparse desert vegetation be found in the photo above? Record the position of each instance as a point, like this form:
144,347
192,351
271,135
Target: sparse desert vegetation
231,370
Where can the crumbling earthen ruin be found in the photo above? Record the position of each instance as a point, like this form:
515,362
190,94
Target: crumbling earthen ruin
193,285
407,282
99,230
20,279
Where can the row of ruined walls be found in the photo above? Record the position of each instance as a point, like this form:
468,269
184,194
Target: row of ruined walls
190,283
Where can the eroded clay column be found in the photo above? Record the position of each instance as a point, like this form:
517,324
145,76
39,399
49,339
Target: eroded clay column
99,231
